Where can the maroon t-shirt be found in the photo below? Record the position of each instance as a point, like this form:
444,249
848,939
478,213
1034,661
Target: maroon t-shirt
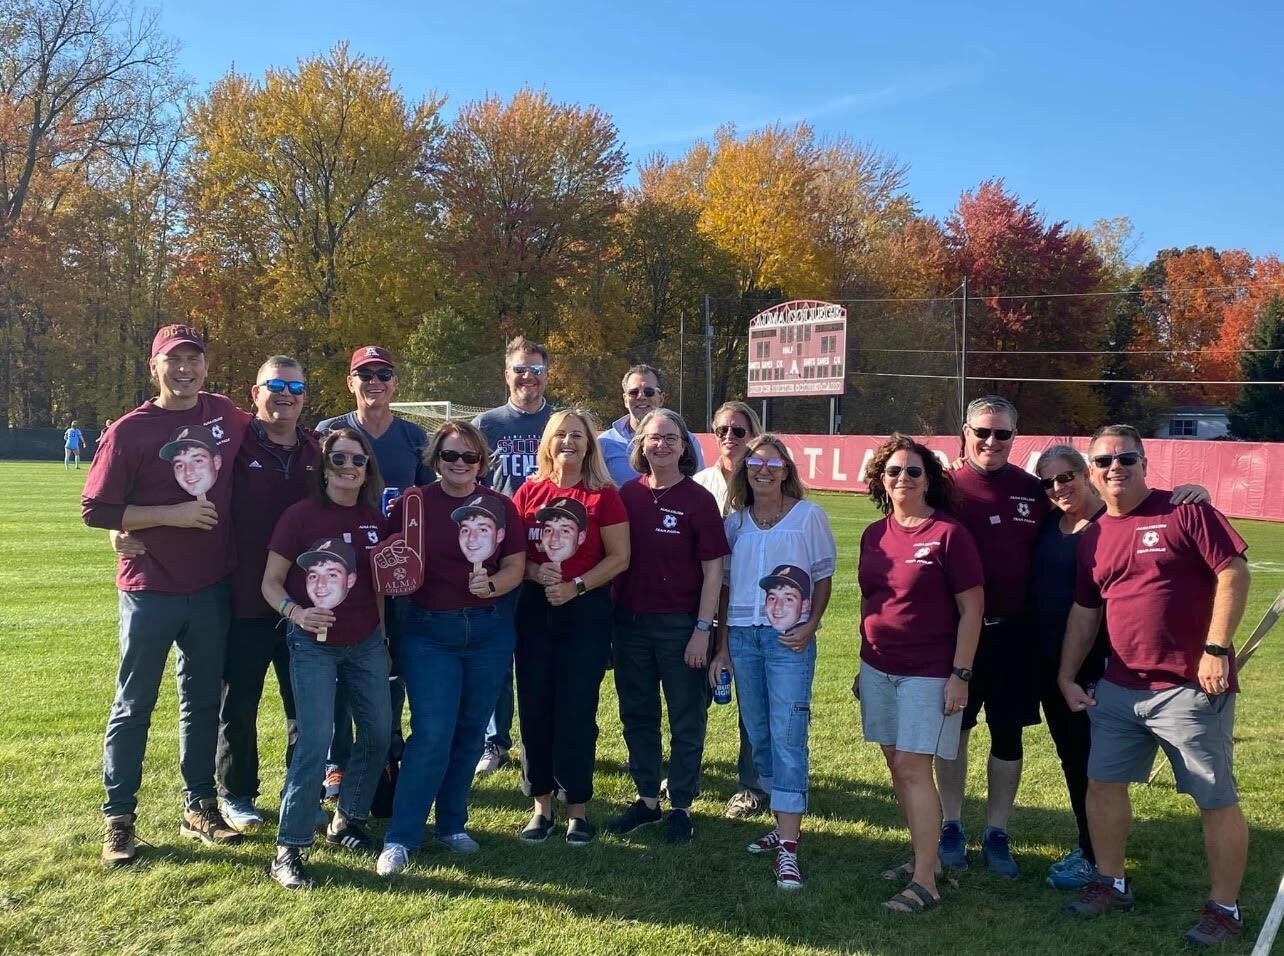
1156,569
560,538
268,479
309,522
451,547
128,470
908,579
1003,510
670,533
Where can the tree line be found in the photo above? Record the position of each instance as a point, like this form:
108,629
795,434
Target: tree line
318,207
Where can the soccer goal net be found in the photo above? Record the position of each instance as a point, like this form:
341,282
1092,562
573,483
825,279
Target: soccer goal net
431,414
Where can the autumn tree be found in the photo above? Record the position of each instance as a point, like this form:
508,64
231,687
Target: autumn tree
308,205
1258,413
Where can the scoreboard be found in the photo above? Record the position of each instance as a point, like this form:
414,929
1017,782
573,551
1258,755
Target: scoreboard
798,348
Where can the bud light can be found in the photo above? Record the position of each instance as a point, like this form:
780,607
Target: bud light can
389,496
722,689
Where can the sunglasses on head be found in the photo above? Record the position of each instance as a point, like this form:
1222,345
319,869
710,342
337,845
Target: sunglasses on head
646,390
723,430
469,457
383,375
279,385
341,458
775,464
536,369
1062,479
894,471
1125,458
1002,434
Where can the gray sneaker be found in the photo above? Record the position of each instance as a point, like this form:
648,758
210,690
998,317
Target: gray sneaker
240,813
745,803
459,843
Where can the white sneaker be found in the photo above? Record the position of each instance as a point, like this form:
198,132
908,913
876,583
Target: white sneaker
459,843
493,757
240,813
392,860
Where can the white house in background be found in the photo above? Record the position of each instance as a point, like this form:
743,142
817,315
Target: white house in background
1193,421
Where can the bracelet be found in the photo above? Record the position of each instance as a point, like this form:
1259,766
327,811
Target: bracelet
283,605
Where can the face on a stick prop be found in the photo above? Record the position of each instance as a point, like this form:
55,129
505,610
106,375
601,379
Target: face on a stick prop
331,566
193,452
788,598
563,528
481,528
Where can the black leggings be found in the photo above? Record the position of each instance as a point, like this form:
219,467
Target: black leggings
1071,733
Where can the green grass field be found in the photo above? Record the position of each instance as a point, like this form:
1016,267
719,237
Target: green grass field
58,608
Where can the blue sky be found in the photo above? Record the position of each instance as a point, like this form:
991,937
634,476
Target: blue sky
1168,113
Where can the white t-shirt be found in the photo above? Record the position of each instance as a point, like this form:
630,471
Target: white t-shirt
802,540
713,481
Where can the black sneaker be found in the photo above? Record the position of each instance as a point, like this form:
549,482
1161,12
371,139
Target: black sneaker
677,827
637,815
287,869
579,832
352,837
538,829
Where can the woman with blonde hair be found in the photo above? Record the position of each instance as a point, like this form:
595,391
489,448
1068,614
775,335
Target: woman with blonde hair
775,592
577,541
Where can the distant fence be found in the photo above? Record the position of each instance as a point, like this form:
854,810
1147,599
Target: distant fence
1246,478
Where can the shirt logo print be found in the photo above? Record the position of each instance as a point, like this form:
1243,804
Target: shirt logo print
670,521
1150,538
217,432
922,552
373,536
1023,509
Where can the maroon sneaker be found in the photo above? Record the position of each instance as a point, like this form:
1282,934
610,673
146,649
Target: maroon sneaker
1215,926
1101,897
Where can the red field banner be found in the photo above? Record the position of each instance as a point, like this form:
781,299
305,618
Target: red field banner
1246,478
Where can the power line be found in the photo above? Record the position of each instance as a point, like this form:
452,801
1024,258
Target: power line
1068,381
1222,351
1036,295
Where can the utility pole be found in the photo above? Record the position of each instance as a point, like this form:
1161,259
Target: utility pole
682,360
708,360
963,362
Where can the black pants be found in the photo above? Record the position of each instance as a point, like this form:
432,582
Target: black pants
561,660
253,643
649,651
1072,733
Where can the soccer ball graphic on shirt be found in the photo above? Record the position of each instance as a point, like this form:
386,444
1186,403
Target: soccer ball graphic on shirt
670,522
1023,509
922,552
1150,538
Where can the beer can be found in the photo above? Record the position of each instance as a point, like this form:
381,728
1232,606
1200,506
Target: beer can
389,496
722,689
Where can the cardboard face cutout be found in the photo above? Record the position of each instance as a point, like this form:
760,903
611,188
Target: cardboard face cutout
787,602
331,566
563,528
193,452
481,528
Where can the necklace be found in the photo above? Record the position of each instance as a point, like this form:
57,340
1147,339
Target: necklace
769,523
655,499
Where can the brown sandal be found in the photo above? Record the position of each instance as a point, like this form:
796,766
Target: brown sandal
913,899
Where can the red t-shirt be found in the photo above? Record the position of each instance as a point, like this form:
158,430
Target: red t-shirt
308,523
908,580
128,469
268,479
1156,570
486,533
1003,510
670,533
560,535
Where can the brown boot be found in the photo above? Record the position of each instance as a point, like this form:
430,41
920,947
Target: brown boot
119,843
204,822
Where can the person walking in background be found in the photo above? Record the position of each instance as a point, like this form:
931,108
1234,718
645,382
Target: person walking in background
457,642
643,388
665,604
175,591
577,537
735,424
776,589
73,440
922,594
512,431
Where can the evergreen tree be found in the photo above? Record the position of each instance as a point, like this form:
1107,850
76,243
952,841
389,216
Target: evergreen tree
1258,413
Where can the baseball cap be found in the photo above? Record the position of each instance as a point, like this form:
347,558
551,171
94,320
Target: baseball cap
329,549
564,508
189,436
370,355
484,505
789,576
170,336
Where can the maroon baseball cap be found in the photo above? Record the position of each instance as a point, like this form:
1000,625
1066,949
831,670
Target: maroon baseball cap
370,355
171,336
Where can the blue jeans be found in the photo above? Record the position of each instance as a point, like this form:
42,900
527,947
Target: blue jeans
773,689
315,670
500,729
149,624
453,663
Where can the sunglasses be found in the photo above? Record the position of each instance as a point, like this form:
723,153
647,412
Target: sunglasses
339,459
1125,458
1002,434
648,391
383,375
537,369
277,385
469,457
723,430
1062,479
775,464
894,471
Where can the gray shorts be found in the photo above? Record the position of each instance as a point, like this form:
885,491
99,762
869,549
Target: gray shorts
1193,728
908,713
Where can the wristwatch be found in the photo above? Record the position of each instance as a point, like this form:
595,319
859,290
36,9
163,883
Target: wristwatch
703,625
580,586
962,673
1216,650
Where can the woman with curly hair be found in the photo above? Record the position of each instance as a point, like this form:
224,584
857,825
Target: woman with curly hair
922,594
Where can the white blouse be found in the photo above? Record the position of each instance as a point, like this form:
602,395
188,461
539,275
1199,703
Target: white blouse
802,539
